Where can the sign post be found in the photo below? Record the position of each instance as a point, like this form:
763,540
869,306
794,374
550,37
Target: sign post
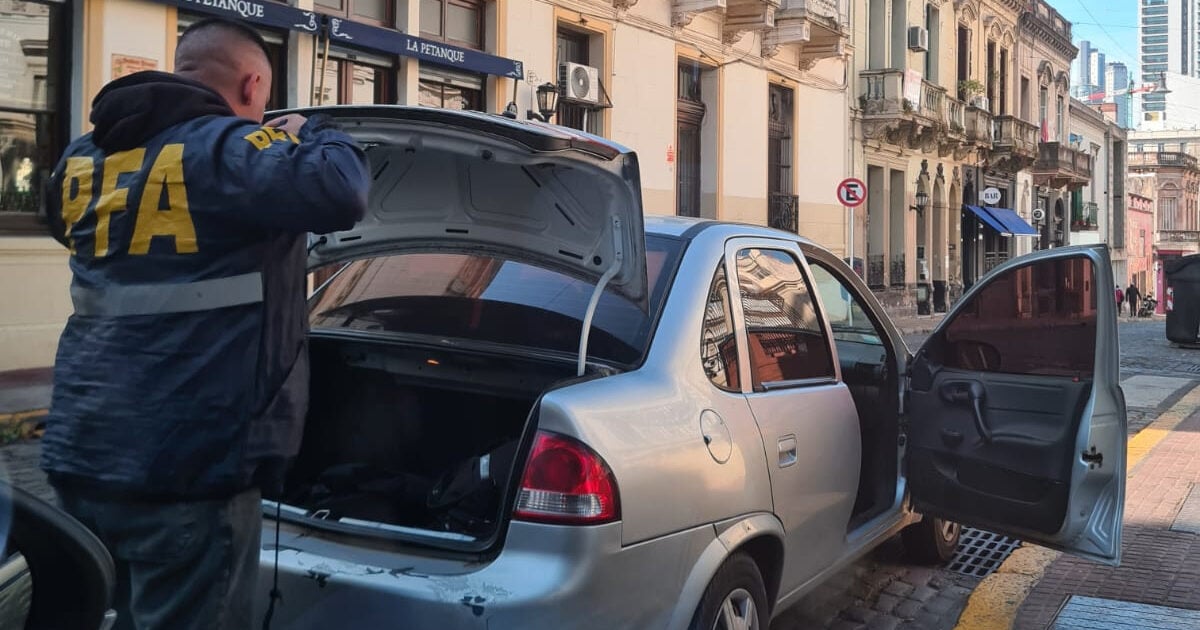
851,192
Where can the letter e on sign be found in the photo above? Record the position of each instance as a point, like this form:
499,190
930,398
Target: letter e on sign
852,192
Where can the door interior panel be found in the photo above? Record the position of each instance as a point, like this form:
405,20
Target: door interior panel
971,462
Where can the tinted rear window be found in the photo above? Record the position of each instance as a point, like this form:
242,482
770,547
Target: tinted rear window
478,297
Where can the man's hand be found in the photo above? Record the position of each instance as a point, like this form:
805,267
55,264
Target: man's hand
290,123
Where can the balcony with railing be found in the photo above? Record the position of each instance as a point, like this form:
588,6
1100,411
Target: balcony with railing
890,117
979,127
783,212
1165,159
821,27
1179,236
1014,143
956,112
1059,165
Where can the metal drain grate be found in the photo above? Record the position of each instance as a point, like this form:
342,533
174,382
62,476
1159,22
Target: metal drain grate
979,552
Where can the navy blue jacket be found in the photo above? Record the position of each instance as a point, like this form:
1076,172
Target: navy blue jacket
200,391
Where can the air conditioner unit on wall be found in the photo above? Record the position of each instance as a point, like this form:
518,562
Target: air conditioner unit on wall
918,39
578,83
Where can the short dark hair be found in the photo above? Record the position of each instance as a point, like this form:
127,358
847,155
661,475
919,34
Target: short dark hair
238,28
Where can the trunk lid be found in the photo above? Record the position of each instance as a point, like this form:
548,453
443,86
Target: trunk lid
470,182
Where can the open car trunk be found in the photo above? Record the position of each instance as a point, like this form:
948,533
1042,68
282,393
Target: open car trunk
412,443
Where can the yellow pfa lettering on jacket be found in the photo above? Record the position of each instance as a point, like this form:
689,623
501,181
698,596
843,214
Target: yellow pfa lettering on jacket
263,137
164,182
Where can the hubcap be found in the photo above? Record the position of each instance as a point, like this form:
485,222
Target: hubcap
738,612
949,530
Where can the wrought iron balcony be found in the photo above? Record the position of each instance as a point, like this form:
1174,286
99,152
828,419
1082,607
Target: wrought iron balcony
783,212
1086,218
822,27
1058,165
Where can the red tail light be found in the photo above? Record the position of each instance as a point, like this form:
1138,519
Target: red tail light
566,483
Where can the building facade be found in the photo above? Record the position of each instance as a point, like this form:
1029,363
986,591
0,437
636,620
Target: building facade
938,122
1140,267
1098,208
1059,170
738,109
1175,178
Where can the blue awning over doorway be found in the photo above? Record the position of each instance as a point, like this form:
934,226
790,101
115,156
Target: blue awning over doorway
1004,221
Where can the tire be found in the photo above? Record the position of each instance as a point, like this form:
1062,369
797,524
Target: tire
735,599
932,541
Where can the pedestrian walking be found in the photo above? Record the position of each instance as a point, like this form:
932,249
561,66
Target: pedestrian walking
1120,299
1133,297
181,380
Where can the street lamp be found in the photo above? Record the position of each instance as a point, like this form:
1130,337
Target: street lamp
922,202
547,100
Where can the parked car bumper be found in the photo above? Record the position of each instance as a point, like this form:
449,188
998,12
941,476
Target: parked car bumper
546,577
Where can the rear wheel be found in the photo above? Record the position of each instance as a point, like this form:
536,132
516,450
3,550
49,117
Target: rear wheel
932,541
735,599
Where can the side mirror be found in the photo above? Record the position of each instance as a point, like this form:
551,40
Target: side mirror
54,572
976,355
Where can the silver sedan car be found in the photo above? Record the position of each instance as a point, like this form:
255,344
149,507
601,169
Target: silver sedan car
534,408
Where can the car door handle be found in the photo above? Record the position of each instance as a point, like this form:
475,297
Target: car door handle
787,451
969,393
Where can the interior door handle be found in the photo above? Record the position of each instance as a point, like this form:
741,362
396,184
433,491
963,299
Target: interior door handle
969,393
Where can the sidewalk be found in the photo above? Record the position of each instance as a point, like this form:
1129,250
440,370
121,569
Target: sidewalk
918,324
25,391
1160,564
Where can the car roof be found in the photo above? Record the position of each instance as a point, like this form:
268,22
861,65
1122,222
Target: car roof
687,228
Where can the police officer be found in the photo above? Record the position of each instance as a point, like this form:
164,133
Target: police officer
180,385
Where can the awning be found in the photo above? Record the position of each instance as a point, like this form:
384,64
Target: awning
1004,221
279,15
1013,221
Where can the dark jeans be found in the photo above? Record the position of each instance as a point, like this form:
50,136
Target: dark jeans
180,566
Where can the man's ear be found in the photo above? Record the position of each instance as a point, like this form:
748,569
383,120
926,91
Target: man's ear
249,88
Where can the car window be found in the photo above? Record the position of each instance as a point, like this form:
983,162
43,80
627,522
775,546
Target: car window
491,299
1036,319
718,344
848,319
783,330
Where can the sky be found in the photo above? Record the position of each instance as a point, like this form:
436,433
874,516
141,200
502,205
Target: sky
1111,26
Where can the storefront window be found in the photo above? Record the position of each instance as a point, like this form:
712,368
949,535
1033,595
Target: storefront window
449,89
454,21
33,47
354,82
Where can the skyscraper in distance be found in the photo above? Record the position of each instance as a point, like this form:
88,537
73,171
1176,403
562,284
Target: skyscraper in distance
1167,43
1116,79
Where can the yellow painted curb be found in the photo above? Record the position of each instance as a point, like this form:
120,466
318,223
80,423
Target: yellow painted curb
994,603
